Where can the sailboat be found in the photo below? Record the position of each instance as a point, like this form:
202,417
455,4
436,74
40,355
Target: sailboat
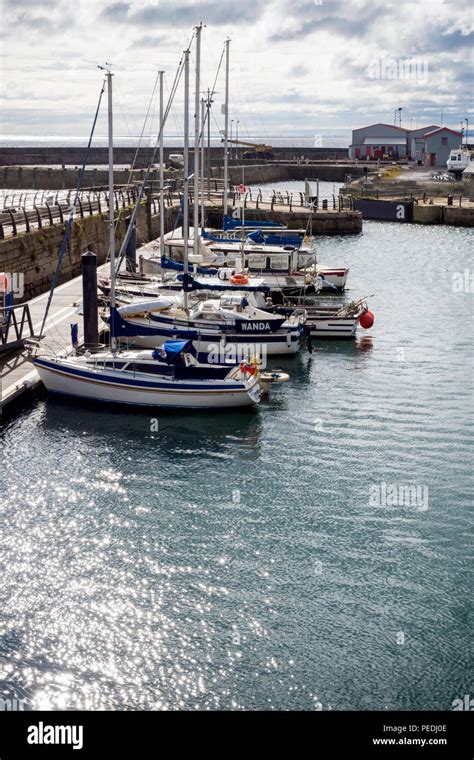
167,378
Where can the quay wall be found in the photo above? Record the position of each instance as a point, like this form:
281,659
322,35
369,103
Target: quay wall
34,254
74,156
323,222
47,178
266,173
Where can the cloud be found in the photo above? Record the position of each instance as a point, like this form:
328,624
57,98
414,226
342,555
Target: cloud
148,41
183,13
30,4
296,66
116,11
298,71
343,19
47,24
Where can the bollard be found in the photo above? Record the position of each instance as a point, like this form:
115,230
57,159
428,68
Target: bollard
131,249
90,305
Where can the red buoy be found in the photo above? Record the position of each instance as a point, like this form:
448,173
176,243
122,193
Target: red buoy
367,320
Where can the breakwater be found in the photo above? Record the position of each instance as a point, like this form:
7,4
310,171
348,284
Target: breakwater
49,178
74,156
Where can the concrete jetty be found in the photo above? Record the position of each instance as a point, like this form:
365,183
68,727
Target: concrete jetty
17,374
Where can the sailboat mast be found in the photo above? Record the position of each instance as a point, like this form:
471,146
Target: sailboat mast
226,127
198,30
203,121
208,145
162,174
186,181
111,200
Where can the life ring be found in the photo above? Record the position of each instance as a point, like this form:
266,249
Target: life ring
239,279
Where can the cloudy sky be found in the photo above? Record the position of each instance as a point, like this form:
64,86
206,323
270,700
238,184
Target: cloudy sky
297,66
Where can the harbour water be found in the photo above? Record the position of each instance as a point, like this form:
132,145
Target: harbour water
250,560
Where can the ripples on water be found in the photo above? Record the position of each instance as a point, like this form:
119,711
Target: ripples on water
232,561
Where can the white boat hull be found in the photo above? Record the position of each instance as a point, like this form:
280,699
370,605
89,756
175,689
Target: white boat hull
333,276
333,328
96,387
276,348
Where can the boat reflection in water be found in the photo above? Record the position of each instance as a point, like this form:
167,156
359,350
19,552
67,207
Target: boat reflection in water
140,433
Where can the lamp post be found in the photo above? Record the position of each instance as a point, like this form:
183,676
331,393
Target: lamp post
231,129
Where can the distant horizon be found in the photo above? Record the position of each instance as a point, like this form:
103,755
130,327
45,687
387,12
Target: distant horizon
330,138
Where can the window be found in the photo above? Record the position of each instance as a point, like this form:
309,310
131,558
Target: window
444,141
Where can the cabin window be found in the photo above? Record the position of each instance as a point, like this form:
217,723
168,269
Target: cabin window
279,262
444,141
257,261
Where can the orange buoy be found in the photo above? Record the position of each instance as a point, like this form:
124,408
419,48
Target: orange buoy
367,320
239,279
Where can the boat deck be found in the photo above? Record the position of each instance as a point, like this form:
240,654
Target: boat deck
17,374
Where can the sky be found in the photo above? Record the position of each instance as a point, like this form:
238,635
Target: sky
296,66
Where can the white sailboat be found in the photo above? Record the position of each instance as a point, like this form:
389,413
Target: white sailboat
171,378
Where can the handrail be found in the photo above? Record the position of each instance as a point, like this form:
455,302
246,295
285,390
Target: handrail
10,321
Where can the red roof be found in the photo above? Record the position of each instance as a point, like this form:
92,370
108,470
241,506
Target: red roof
442,129
381,124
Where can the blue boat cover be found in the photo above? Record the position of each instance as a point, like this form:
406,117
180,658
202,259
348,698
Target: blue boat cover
268,239
178,266
230,224
171,350
203,285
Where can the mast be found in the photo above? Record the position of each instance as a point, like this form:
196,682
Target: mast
209,101
226,127
186,180
162,191
203,120
198,30
113,341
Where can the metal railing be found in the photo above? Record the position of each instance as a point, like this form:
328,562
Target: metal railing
55,209
292,200
15,322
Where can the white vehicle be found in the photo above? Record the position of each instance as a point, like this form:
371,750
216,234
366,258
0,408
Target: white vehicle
459,160
176,158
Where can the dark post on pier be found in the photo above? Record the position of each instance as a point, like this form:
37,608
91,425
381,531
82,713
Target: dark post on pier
131,249
90,305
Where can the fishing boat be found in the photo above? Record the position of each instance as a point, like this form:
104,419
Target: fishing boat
335,321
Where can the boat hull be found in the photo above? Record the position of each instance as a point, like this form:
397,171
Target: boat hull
60,379
151,332
279,347
334,278
332,328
